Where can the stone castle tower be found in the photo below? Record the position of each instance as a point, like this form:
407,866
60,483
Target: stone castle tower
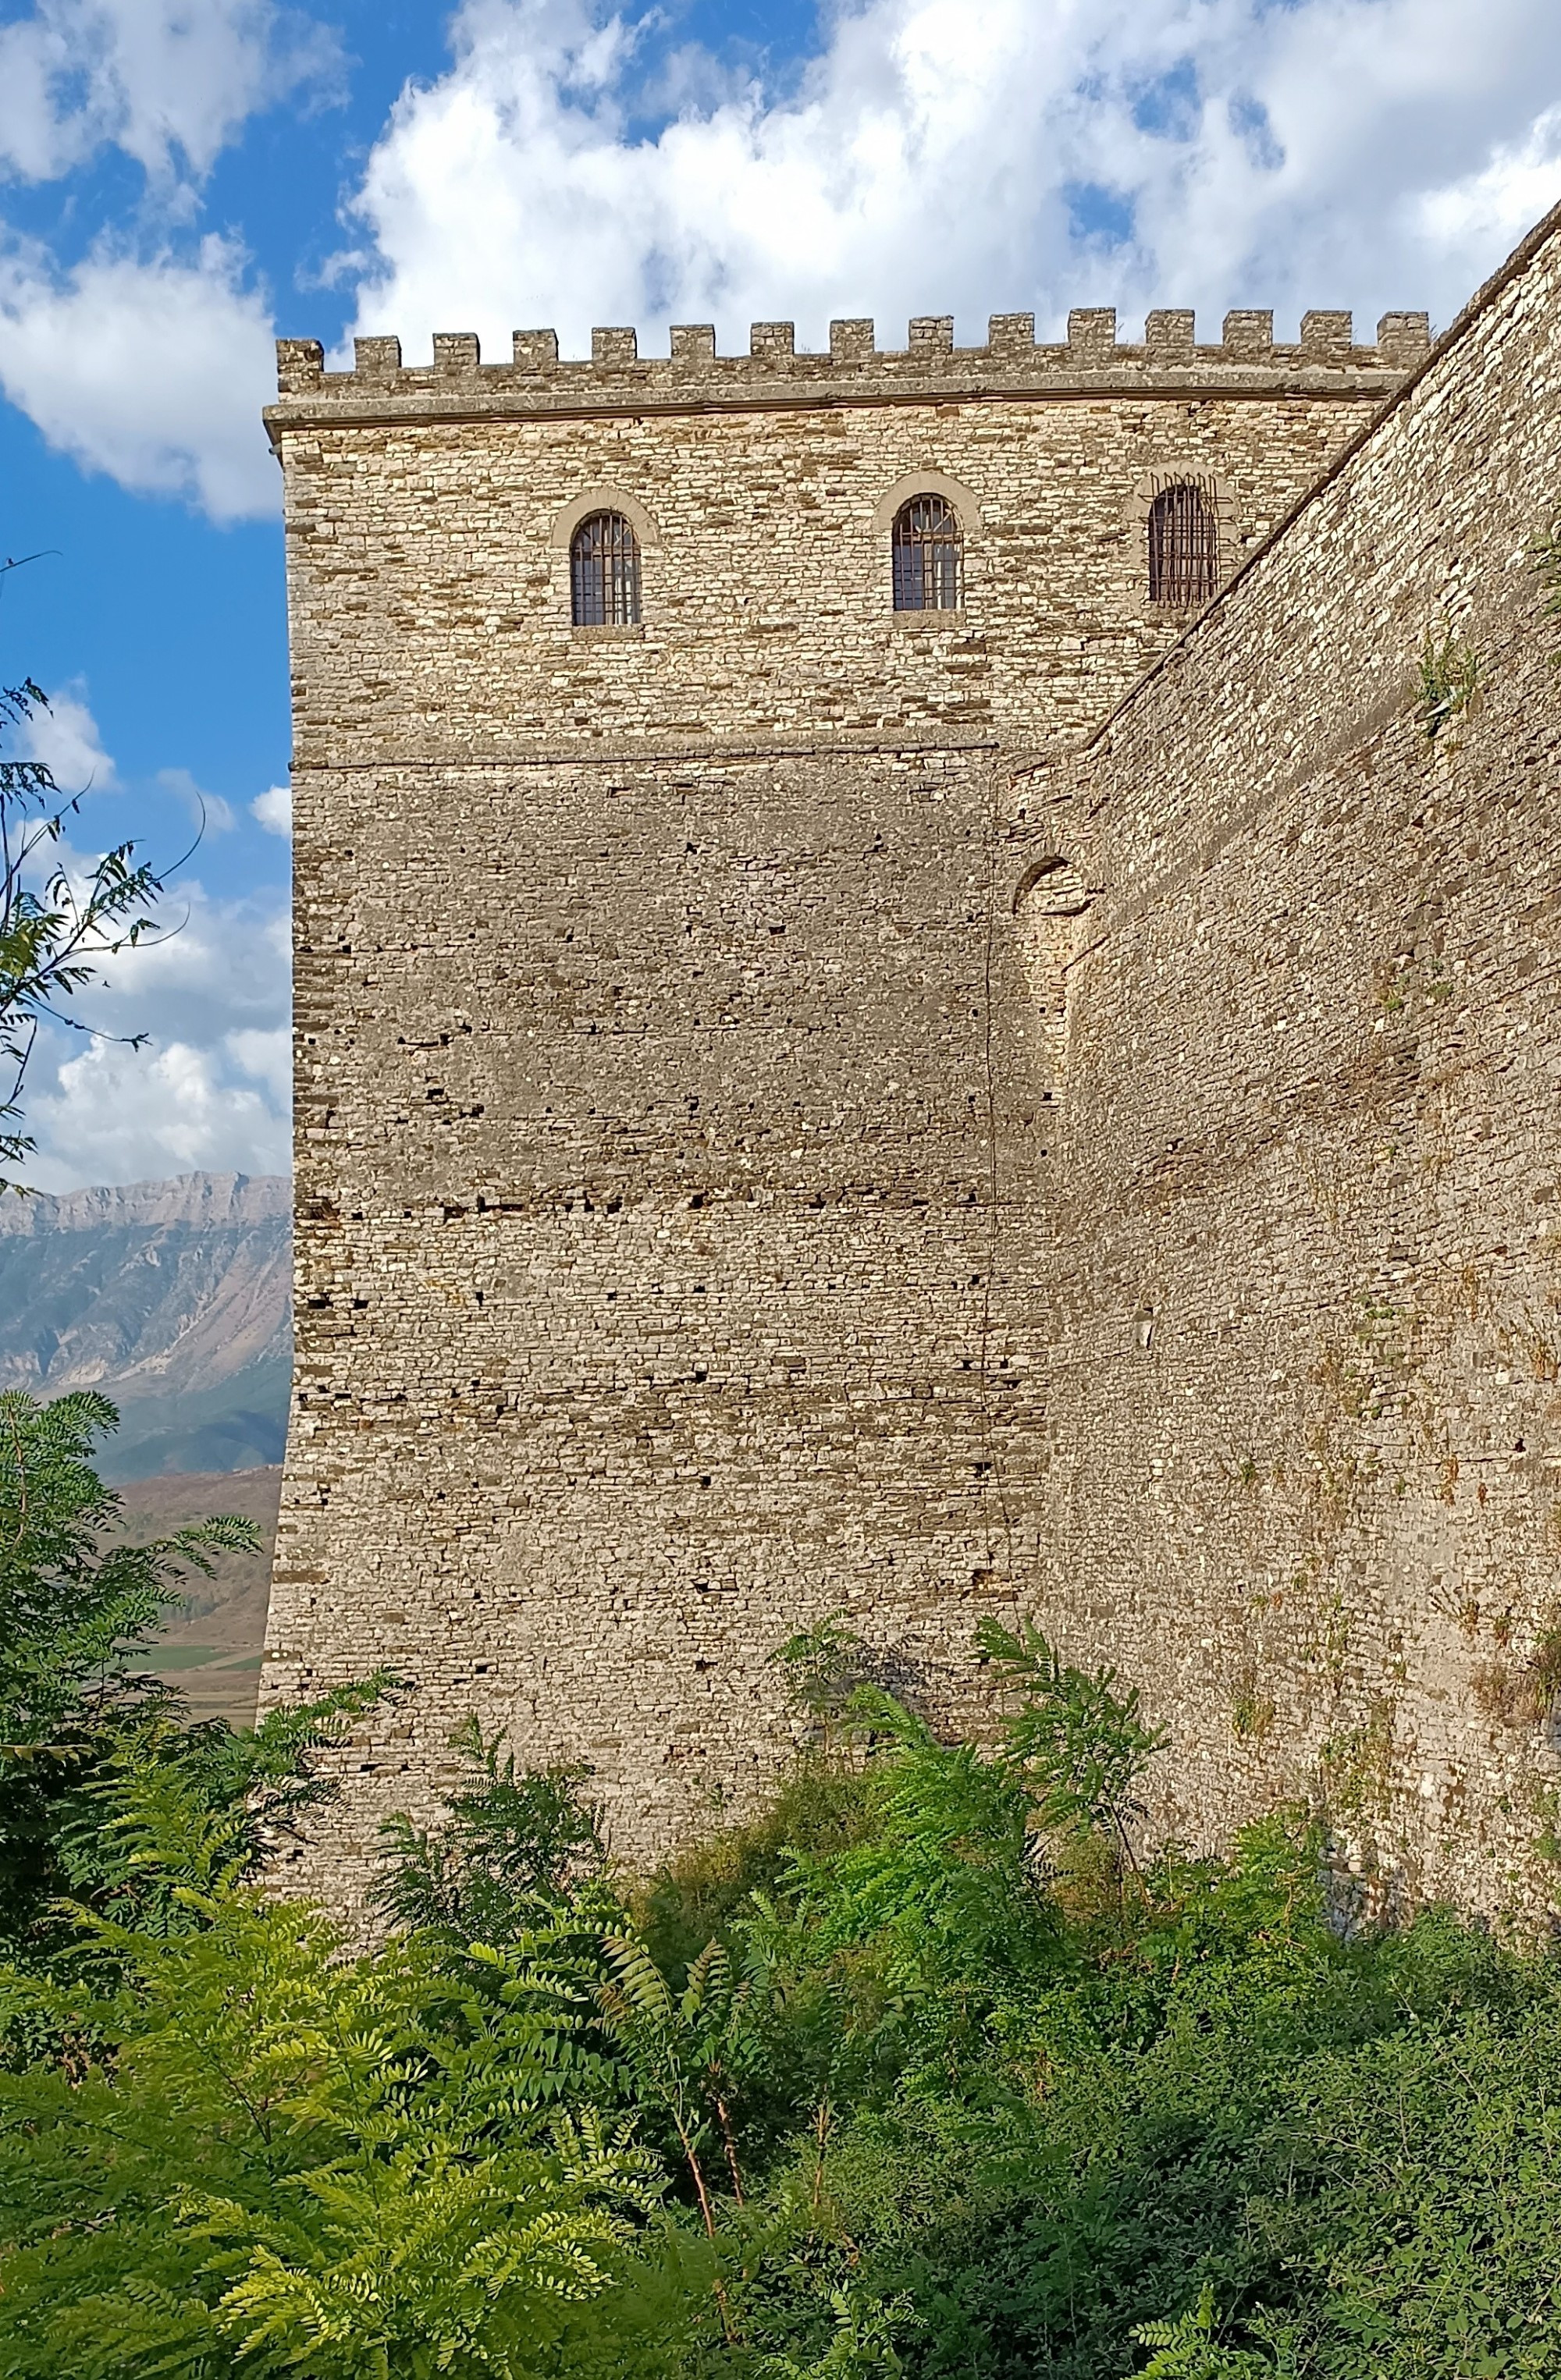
700,907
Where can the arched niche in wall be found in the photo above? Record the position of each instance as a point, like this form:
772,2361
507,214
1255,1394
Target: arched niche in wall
1049,903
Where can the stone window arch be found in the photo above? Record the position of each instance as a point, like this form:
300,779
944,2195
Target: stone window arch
1184,546
604,572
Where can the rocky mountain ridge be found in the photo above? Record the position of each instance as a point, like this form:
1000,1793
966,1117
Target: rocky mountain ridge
173,1298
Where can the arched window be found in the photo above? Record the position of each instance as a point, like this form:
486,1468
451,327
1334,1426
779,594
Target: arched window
604,572
1184,546
929,556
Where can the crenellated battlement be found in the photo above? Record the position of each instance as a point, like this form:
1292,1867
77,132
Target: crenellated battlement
774,372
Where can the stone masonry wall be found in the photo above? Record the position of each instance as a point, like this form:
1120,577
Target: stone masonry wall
1303,1472
661,1031
646,1296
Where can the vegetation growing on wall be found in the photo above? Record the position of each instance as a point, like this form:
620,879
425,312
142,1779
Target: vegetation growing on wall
1545,560
1449,681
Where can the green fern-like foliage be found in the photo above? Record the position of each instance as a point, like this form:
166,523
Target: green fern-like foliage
687,2054
937,2096
935,1905
1189,2348
1077,1738
277,2159
862,2342
823,1665
169,1809
706,1888
74,1611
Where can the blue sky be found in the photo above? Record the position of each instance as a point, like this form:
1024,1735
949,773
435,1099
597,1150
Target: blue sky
180,180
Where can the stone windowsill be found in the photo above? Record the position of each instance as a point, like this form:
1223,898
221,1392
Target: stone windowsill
931,622
608,632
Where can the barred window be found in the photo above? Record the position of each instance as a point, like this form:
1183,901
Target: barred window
604,572
1184,546
929,556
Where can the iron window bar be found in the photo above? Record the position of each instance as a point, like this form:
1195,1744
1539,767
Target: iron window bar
604,572
929,555
1184,546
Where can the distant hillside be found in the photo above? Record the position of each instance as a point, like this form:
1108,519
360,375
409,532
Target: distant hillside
210,1647
173,1298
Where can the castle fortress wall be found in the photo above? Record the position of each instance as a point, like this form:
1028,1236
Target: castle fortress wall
1304,1424
662,1032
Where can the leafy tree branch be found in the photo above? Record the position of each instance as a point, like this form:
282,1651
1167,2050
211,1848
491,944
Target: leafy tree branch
59,923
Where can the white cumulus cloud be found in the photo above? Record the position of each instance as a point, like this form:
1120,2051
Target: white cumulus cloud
226,962
269,1058
153,372
1490,209
148,362
168,82
935,155
210,1089
64,736
965,155
274,809
138,1115
207,995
